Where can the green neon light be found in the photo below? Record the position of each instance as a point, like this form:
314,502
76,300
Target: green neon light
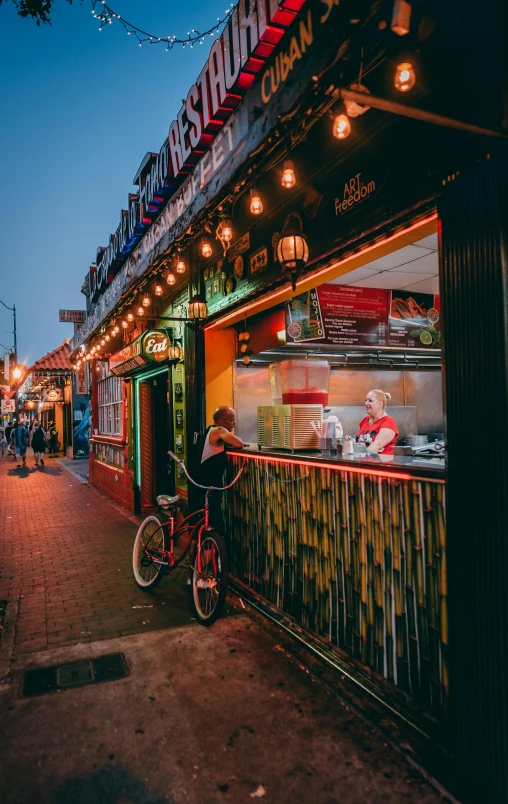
137,380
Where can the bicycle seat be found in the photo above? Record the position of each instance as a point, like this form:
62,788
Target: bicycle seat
165,501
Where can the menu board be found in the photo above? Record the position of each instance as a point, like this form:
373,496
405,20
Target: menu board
356,316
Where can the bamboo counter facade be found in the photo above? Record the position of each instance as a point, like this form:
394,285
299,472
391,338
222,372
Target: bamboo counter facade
356,554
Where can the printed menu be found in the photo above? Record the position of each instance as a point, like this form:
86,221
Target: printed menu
356,316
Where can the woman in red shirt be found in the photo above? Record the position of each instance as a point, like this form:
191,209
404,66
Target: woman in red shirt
378,431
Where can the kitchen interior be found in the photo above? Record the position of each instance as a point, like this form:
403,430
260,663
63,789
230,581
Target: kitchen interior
309,397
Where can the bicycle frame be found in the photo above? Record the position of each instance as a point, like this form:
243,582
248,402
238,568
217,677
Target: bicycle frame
203,524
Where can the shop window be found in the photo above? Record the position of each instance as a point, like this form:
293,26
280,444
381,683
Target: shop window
110,404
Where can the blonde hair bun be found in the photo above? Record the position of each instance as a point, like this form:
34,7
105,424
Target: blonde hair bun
388,395
382,396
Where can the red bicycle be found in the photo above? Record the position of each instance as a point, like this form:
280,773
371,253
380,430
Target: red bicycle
159,548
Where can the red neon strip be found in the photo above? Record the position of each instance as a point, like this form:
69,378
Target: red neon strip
322,465
282,291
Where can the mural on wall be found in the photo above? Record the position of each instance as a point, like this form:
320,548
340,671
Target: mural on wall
81,429
358,559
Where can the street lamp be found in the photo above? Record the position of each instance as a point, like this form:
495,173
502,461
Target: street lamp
13,311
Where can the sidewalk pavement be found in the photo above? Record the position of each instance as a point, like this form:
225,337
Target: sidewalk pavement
205,715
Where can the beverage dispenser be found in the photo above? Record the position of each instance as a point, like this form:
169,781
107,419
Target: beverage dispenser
304,388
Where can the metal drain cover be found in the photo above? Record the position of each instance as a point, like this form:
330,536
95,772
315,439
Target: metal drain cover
75,674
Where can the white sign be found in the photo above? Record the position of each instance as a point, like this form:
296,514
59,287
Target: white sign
8,406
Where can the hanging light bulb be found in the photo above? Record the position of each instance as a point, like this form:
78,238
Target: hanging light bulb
206,249
146,300
141,310
125,324
180,265
256,205
226,228
405,77
170,278
130,317
288,174
107,337
103,341
174,352
158,289
341,124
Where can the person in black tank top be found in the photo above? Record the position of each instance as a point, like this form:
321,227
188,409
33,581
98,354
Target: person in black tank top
213,460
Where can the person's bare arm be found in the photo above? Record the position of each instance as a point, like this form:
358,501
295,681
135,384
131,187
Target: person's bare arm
383,438
220,434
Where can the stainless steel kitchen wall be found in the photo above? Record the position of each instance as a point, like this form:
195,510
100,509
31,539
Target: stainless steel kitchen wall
421,389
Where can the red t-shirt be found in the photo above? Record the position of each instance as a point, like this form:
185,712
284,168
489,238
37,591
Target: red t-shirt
368,432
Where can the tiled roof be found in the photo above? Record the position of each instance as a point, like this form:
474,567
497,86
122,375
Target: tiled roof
58,359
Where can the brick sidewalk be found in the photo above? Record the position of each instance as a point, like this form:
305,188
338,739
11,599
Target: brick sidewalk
65,554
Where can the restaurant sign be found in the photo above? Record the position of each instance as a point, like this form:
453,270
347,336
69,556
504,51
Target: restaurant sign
155,345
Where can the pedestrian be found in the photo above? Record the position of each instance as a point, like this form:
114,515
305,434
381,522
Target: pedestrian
20,439
38,444
53,440
3,441
8,432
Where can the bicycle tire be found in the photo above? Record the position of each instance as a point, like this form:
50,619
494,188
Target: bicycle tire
208,602
140,562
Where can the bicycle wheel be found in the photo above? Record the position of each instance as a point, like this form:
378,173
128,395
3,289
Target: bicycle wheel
209,587
150,538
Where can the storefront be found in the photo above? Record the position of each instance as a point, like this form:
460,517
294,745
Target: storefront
335,195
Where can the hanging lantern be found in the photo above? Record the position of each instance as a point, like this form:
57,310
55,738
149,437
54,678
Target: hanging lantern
103,341
226,228
141,310
107,338
288,174
170,278
125,324
405,77
292,248
146,300
206,249
130,317
256,205
174,352
197,309
157,289
180,265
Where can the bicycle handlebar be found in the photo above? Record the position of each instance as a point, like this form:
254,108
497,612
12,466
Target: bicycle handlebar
206,488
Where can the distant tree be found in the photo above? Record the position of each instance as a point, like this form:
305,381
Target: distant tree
38,10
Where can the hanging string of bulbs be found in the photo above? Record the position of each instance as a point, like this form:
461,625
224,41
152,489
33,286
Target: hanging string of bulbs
107,16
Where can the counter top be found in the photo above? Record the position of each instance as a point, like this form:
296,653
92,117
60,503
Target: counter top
404,466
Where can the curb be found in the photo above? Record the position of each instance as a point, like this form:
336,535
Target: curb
73,473
7,642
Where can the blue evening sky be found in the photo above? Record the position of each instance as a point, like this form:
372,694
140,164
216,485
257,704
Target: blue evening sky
79,110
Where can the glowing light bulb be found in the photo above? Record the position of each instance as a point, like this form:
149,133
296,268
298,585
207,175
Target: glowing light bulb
180,266
226,229
130,317
141,310
206,249
108,338
405,77
341,126
158,290
171,279
256,205
125,324
103,341
288,174
146,300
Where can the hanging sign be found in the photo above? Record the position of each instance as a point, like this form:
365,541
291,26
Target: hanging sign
72,316
52,395
155,345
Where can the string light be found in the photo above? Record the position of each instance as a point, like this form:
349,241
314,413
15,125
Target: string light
157,289
125,324
146,300
105,15
226,229
341,124
170,278
141,310
288,174
206,249
405,77
256,205
180,265
130,317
